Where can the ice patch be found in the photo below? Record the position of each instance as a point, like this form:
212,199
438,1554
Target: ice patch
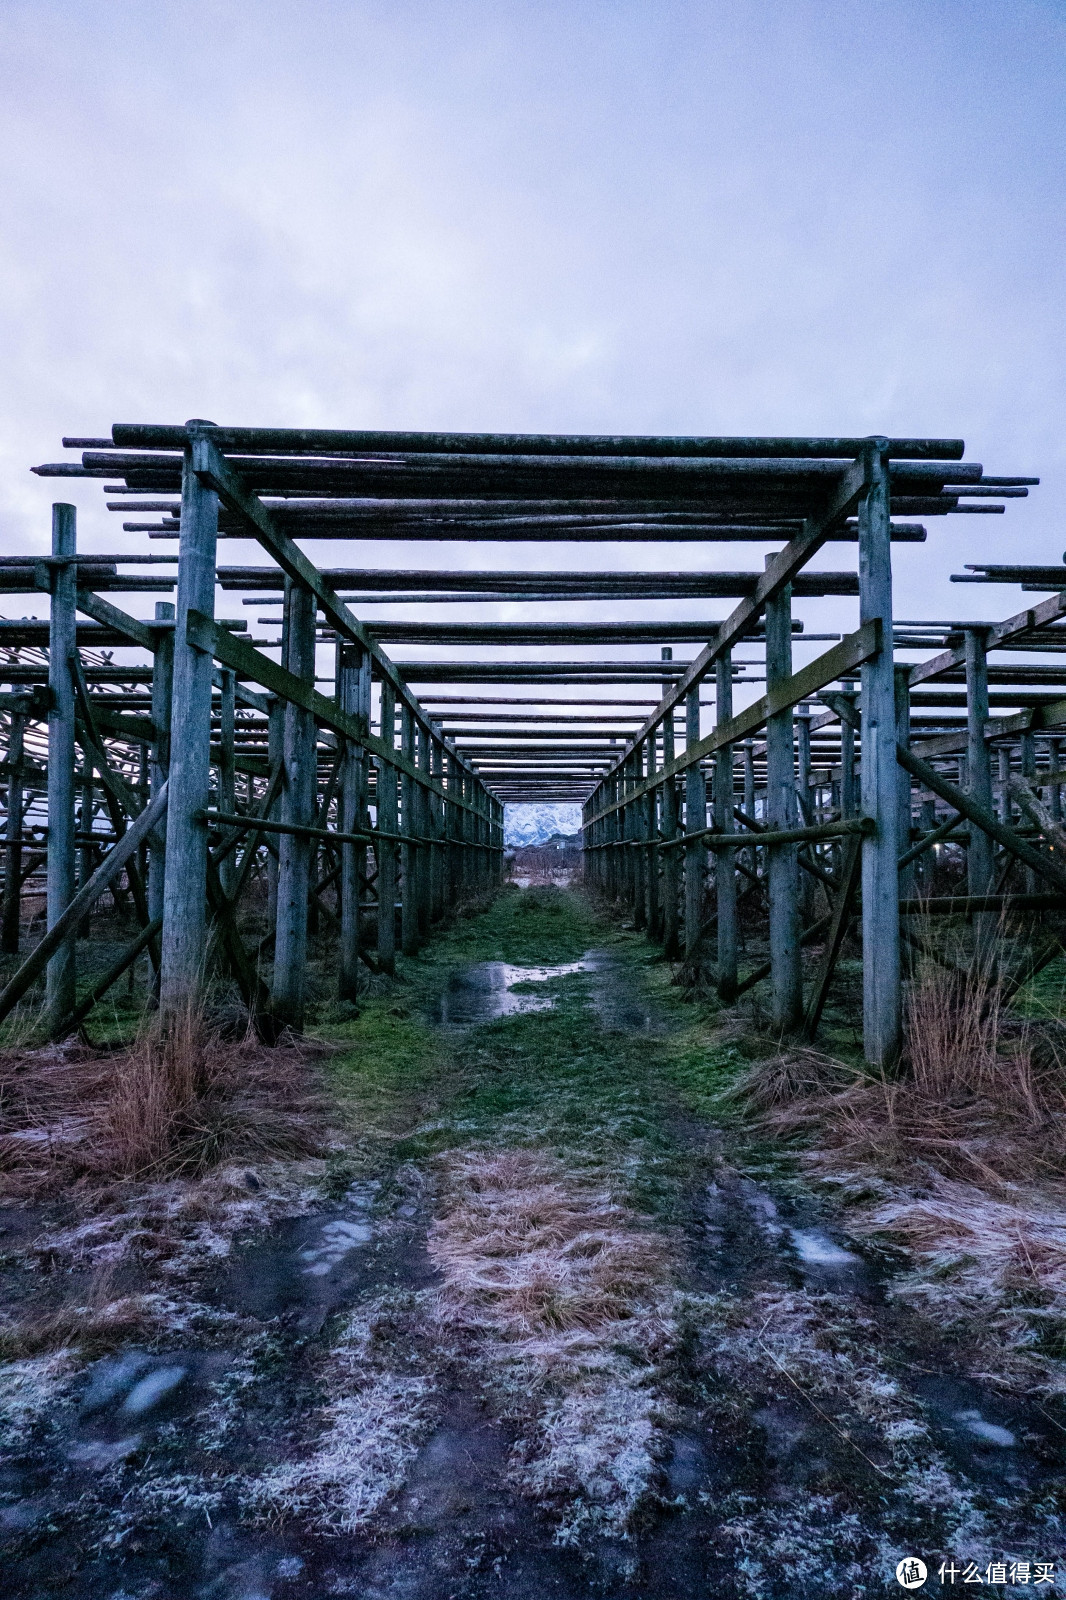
339,1238
817,1249
111,1379
987,1432
153,1389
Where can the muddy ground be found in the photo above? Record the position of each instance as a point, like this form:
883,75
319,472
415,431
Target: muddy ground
544,1323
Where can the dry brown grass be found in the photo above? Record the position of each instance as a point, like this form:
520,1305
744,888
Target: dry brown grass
534,1256
166,1105
965,1151
979,1098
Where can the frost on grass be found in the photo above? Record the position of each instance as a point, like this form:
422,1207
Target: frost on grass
977,1250
369,1432
568,1300
30,1391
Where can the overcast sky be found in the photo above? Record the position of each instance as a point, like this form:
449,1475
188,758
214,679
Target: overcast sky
614,217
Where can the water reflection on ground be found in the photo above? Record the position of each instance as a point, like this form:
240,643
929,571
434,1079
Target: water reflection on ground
487,990
492,989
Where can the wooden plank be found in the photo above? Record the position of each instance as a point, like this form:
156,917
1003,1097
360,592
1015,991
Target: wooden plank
999,633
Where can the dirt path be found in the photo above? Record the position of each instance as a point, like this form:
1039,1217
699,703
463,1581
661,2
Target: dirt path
542,1327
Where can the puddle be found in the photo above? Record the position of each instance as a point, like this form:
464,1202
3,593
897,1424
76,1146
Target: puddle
307,1267
486,991
494,989
992,1437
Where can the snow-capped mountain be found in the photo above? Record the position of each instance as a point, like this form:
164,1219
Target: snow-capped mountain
532,824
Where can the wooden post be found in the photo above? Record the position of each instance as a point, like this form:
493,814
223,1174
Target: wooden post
695,820
61,977
649,813
980,857
386,850
227,766
847,761
298,806
880,851
752,855
353,697
409,851
84,826
159,764
275,755
9,935
436,864
184,936
903,778
782,865
1027,754
670,858
1055,796
423,870
725,863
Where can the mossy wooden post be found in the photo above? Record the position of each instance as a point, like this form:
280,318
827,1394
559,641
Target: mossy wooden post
408,826
227,765
880,789
782,865
60,981
386,850
353,697
725,874
159,763
298,806
9,933
184,937
695,821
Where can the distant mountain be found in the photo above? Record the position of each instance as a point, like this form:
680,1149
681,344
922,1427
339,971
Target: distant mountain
534,824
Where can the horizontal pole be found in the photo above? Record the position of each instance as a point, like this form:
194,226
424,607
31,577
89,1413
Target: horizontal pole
743,841
966,905
153,436
228,819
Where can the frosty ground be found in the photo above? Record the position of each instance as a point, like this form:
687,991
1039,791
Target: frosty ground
569,1285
